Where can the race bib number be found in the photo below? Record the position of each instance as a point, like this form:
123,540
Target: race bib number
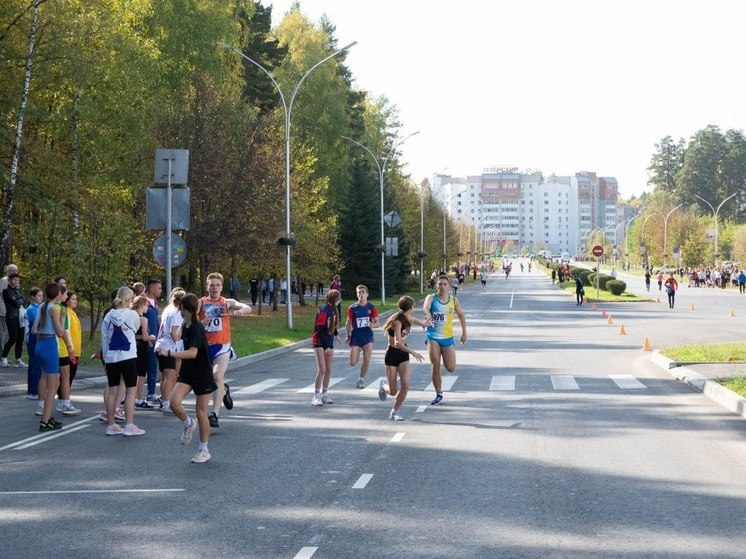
215,325
363,322
439,317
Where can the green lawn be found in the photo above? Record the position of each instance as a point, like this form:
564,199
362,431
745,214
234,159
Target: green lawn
726,352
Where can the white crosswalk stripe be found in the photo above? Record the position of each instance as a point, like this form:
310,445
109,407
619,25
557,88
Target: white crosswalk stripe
260,386
311,388
627,382
564,382
503,382
447,383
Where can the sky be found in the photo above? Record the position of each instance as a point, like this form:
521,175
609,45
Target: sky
559,86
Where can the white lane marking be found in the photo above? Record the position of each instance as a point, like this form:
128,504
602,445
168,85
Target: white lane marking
446,384
67,492
564,382
627,382
375,384
260,386
503,382
311,388
363,481
420,409
398,437
58,434
305,553
512,294
43,435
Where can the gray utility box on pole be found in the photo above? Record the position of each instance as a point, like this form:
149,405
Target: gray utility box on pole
171,168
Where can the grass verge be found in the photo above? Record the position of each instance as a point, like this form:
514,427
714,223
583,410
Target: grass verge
726,352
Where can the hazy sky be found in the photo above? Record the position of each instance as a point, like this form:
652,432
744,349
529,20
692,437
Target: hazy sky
555,85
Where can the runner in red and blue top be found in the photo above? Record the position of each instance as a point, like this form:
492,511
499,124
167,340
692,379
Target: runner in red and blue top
324,334
362,317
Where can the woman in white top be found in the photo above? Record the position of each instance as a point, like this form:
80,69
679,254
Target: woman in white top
169,337
119,349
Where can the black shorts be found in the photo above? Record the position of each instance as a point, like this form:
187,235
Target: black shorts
126,370
166,362
200,383
64,361
395,357
142,361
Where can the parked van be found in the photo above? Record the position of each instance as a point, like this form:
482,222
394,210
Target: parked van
565,258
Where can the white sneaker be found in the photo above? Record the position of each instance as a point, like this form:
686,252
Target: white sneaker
39,409
360,383
394,416
60,406
316,401
115,429
201,457
69,409
4,362
20,363
326,399
186,434
132,430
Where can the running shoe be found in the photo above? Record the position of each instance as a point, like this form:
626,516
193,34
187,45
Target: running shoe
326,399
39,410
32,396
103,416
382,391
316,401
167,410
201,457
227,400
438,398
153,399
186,434
394,416
112,430
144,405
4,362
20,363
212,417
69,409
132,430
360,383
50,425
119,415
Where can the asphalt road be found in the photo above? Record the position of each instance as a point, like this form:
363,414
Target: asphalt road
558,438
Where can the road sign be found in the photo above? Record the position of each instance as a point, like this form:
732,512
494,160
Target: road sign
598,250
178,250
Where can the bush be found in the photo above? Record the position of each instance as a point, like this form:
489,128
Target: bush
616,287
603,279
584,274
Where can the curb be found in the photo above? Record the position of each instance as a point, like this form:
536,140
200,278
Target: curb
711,389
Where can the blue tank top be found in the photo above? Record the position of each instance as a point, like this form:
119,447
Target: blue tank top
48,326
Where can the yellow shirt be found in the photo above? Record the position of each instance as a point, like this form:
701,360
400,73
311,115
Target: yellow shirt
76,334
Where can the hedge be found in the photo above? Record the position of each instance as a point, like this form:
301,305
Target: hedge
616,287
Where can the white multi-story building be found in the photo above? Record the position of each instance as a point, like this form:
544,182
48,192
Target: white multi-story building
515,210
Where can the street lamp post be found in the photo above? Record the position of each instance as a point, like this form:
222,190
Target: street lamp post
422,254
445,250
715,215
616,229
577,240
288,240
381,172
665,234
626,237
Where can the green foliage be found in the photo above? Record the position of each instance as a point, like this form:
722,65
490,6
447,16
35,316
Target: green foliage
585,276
615,287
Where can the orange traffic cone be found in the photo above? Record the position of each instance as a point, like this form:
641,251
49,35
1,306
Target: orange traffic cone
658,300
609,321
732,313
691,307
603,312
622,331
646,345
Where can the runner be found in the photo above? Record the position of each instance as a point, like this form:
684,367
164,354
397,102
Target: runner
169,337
144,341
214,312
439,309
195,374
397,355
48,327
324,334
361,318
120,354
483,278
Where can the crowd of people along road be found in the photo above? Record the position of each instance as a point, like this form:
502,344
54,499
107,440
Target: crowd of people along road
191,345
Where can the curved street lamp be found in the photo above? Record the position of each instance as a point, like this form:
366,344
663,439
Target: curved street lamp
715,215
665,234
422,254
626,237
287,241
381,172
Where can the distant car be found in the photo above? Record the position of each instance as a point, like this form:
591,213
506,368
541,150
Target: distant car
565,258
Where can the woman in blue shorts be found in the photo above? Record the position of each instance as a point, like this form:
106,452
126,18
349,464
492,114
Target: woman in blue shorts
324,334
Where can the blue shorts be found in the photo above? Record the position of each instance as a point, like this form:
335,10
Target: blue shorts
442,342
361,339
215,350
47,354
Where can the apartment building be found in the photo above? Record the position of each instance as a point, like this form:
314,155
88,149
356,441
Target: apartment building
514,210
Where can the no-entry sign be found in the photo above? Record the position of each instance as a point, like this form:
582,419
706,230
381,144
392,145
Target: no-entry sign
598,250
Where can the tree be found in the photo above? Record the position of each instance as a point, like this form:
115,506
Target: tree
665,163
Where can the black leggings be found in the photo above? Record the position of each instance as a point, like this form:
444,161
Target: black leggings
15,336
